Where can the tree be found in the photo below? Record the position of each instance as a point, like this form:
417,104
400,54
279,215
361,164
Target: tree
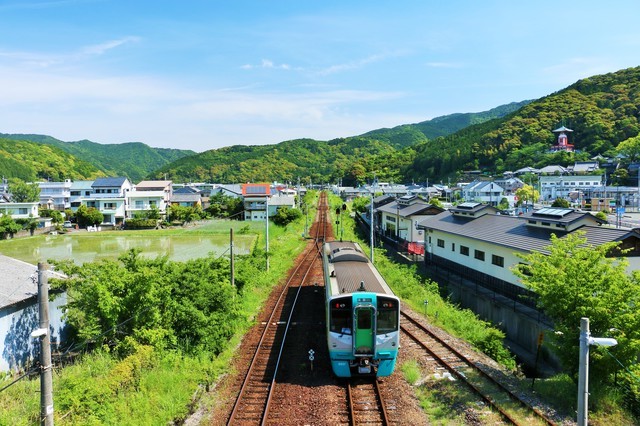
88,216
286,215
560,202
526,194
8,226
190,305
22,192
630,148
576,280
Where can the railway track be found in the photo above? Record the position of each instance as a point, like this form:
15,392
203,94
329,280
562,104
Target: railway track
366,403
253,403
452,363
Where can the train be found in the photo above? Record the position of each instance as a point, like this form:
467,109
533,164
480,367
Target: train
362,313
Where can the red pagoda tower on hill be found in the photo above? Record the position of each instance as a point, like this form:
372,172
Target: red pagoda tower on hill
563,140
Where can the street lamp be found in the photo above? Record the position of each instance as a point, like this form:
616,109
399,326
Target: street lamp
583,373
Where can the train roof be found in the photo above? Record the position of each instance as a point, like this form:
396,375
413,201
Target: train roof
349,267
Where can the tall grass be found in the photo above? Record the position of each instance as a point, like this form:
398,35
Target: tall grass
158,389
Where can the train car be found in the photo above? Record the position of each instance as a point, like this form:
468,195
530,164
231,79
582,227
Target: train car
363,314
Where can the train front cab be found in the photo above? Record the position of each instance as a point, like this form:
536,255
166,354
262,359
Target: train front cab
363,334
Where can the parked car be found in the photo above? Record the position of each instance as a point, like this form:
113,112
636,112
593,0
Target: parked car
67,224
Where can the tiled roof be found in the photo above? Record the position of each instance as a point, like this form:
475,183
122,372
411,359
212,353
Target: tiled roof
513,232
406,211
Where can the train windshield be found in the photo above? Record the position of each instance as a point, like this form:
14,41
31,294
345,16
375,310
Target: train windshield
340,316
387,315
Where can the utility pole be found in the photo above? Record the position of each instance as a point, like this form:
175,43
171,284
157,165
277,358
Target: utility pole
267,230
46,382
233,272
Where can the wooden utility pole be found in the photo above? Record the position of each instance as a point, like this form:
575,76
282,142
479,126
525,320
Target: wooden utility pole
46,382
233,272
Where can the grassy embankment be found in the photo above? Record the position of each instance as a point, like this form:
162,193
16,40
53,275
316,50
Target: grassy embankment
560,391
150,387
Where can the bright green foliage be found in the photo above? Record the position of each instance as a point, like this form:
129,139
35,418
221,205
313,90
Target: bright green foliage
527,194
8,226
225,206
504,204
575,280
88,216
185,214
560,202
361,204
55,215
31,161
132,159
286,215
602,110
156,302
22,192
630,148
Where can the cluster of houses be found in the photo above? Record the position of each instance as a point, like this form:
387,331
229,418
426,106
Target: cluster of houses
118,199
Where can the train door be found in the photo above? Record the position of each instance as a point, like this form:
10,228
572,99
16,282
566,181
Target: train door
364,336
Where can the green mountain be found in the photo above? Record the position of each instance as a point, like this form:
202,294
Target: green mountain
602,111
412,134
134,160
32,161
349,159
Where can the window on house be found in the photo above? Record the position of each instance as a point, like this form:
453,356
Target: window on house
440,243
479,254
497,260
453,246
464,250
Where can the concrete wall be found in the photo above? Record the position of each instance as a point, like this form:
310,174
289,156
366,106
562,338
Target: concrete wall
17,347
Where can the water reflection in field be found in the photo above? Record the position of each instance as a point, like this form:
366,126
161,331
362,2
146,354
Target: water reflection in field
89,248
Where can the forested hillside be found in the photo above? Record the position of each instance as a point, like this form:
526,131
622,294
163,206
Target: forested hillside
134,160
412,134
387,152
31,161
602,110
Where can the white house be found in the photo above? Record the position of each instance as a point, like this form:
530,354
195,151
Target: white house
560,186
149,194
482,245
80,189
256,196
56,193
483,192
110,196
398,219
18,210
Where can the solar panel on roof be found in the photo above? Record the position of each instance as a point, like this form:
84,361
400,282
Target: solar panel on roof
468,205
553,212
256,190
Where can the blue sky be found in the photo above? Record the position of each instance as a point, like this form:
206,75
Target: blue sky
206,74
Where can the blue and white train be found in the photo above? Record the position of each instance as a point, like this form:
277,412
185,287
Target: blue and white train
362,313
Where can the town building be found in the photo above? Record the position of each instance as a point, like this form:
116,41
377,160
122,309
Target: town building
110,196
398,219
55,195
